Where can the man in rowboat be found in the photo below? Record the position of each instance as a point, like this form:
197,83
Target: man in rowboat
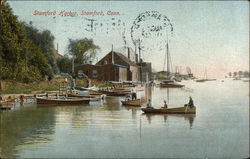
165,104
191,102
149,105
134,94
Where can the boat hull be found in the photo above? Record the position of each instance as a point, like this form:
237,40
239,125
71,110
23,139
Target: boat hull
92,98
171,85
136,103
68,101
179,110
95,93
117,94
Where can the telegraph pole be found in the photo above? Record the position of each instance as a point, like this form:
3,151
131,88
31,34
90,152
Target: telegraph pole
140,61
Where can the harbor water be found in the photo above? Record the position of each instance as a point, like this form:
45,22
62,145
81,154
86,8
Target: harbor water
106,129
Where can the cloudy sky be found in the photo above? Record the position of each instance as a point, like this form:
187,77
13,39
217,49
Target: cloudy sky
211,34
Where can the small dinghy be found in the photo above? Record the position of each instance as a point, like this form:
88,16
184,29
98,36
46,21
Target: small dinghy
62,101
179,110
136,103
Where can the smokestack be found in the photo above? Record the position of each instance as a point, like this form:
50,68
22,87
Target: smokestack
113,61
129,53
136,58
57,47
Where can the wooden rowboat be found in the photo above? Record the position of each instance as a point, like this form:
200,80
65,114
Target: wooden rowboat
117,94
179,110
95,93
136,103
92,98
66,101
171,85
7,104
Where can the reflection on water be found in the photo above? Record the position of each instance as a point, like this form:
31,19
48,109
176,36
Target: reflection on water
24,127
107,129
189,117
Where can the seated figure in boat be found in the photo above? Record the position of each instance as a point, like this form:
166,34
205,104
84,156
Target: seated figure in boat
127,98
165,104
190,103
149,105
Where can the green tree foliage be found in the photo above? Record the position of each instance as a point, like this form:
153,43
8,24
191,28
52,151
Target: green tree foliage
45,40
246,74
20,58
82,50
65,64
235,74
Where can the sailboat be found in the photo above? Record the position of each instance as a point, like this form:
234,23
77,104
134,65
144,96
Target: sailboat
205,77
169,83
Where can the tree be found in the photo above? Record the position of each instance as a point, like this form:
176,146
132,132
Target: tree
20,58
65,64
240,73
230,74
235,74
246,74
45,40
82,50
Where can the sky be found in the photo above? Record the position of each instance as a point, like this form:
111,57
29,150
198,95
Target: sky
212,35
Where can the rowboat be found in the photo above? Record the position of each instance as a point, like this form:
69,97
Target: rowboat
179,110
136,103
6,104
115,93
65,101
171,85
118,94
95,93
167,81
201,80
91,97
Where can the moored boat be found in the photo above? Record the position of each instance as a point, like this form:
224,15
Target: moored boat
171,85
118,94
136,102
65,101
6,104
201,80
91,97
95,93
115,93
167,81
179,110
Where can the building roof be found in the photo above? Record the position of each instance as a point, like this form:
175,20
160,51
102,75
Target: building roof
125,59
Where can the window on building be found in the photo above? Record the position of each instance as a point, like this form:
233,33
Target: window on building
105,62
94,73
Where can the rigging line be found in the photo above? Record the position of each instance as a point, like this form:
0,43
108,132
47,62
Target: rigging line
164,66
170,61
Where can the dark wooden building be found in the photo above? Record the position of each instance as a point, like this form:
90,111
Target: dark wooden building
108,72
112,67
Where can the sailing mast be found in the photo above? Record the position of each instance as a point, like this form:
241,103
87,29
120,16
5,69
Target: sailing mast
205,74
140,61
167,57
168,63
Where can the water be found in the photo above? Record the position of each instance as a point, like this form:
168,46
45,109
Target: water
220,128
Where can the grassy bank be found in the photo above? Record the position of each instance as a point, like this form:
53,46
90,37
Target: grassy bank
11,87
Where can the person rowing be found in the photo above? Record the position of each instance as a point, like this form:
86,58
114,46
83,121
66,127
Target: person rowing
190,103
165,104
